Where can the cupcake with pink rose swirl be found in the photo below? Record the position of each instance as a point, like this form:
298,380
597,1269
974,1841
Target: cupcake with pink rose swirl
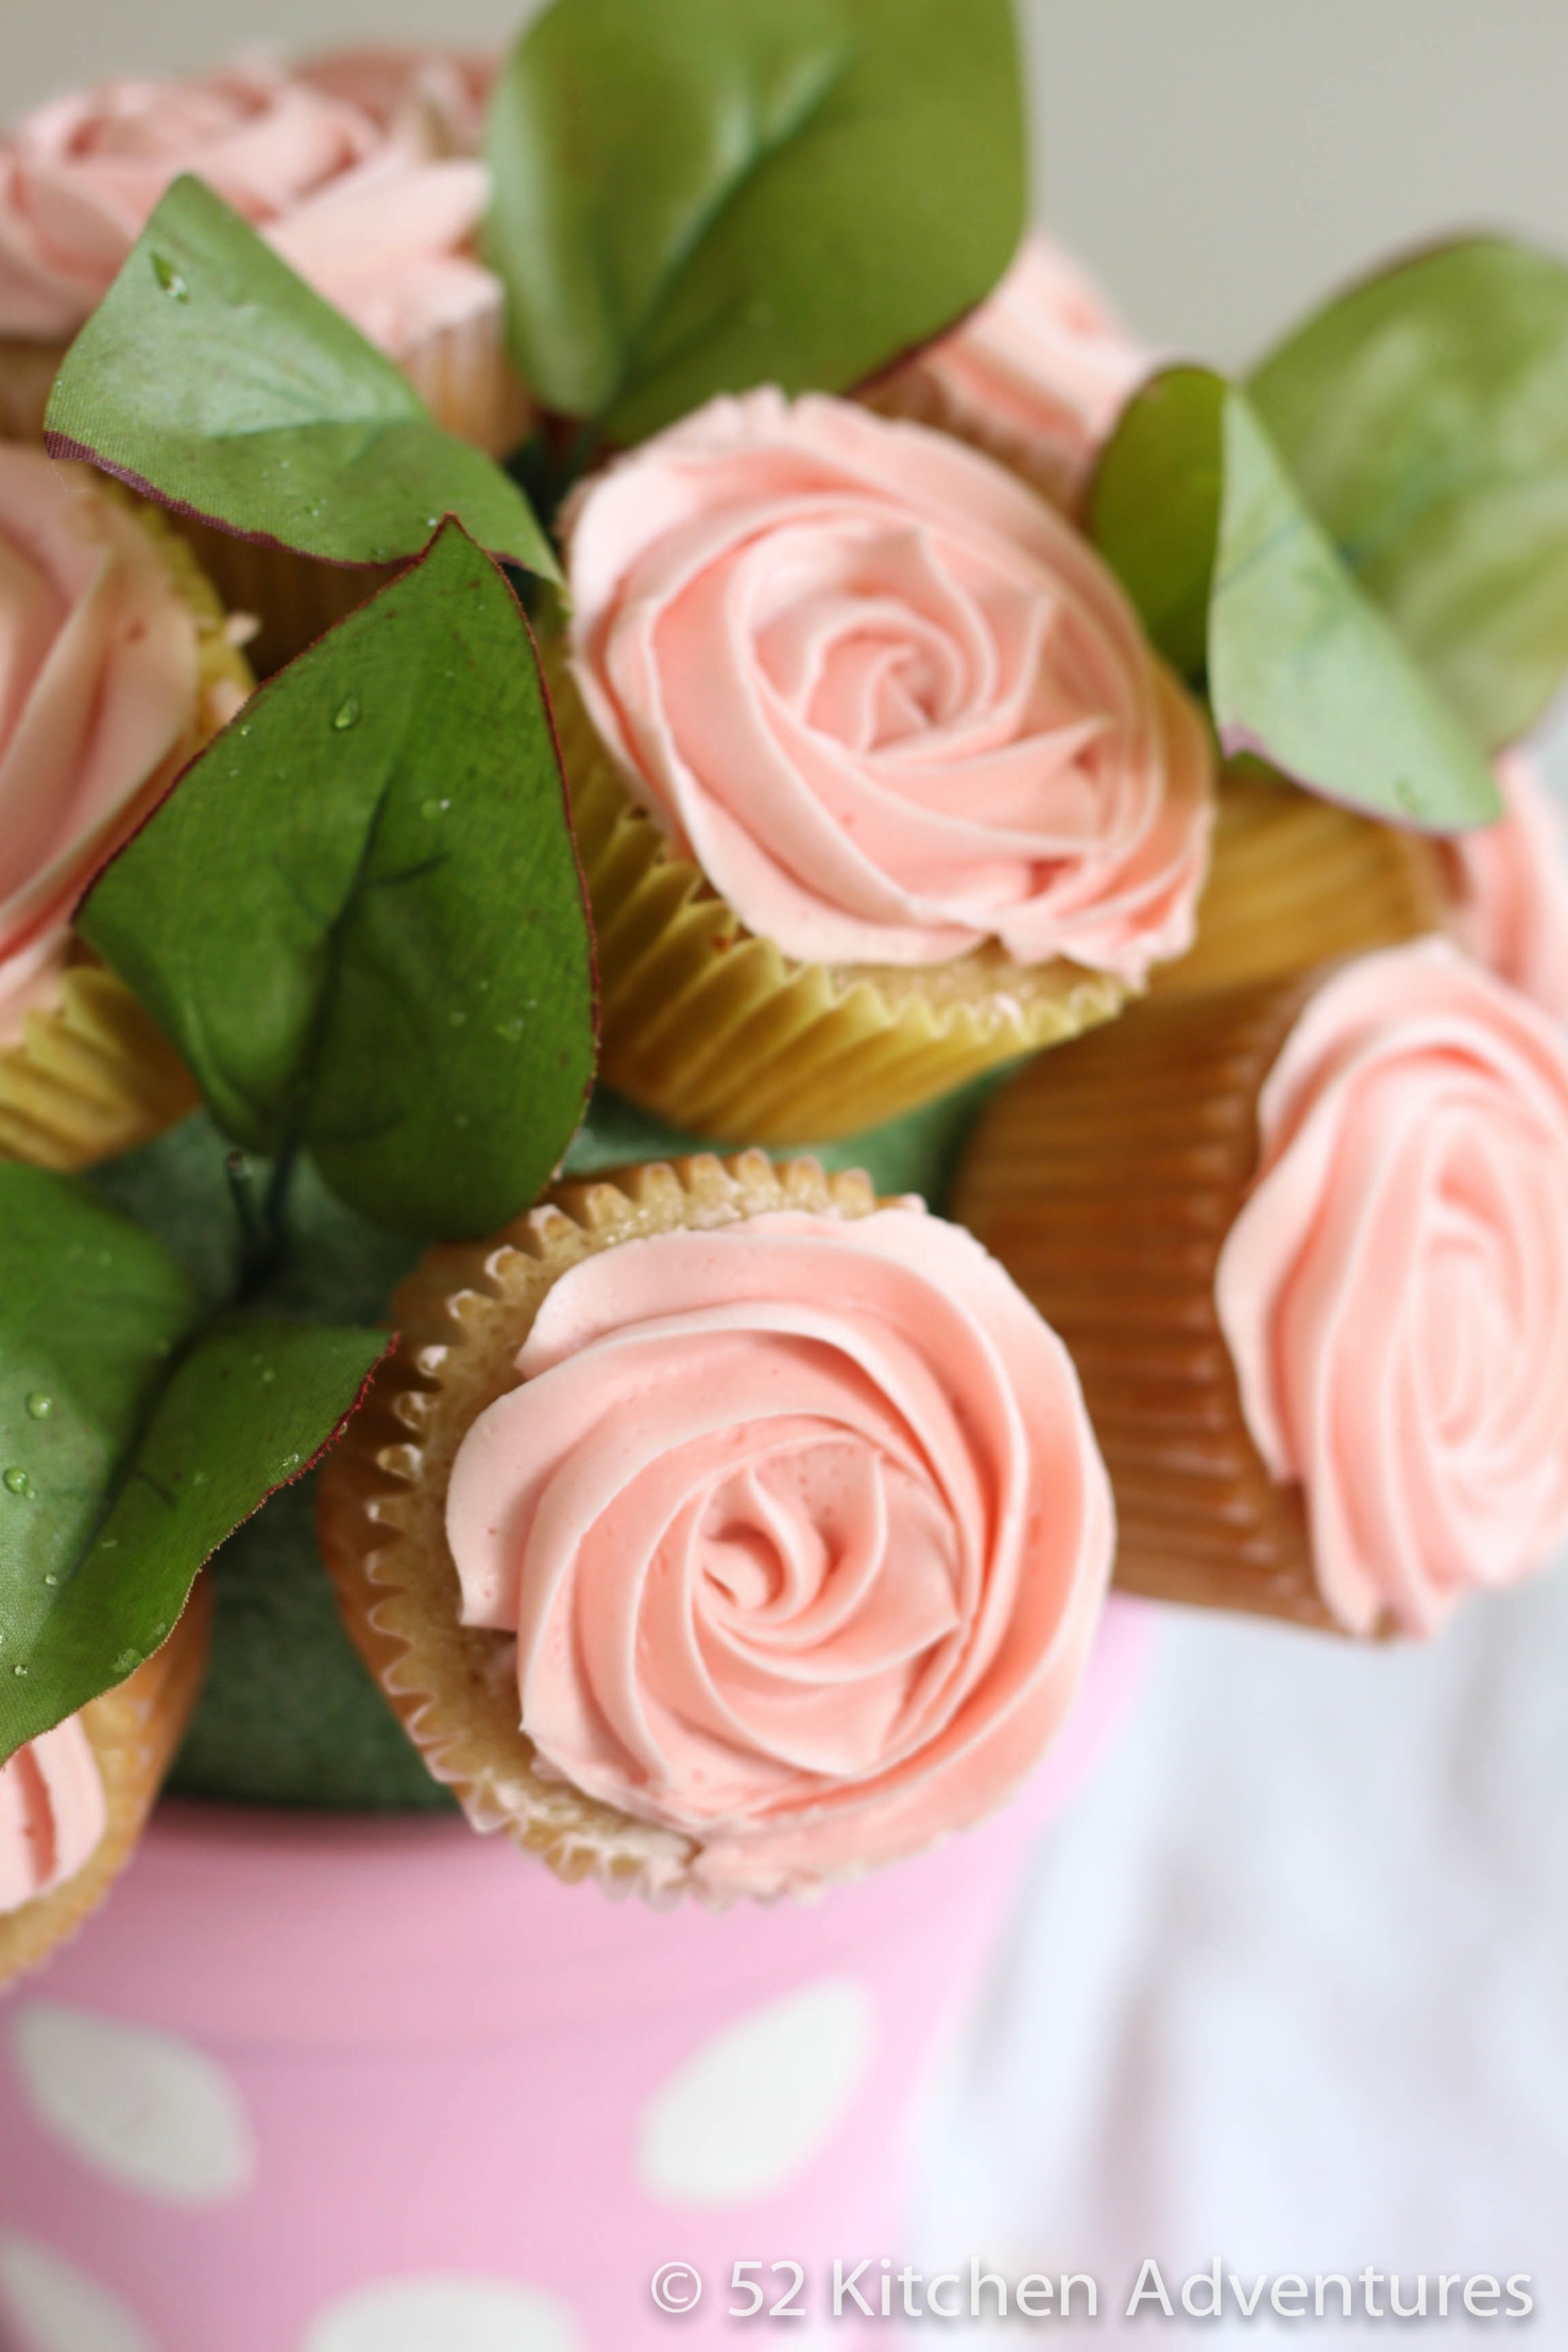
74,1801
360,170
1308,1242
718,1530
1508,883
117,664
1038,375
876,780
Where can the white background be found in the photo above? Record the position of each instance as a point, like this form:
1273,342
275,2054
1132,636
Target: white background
1291,1989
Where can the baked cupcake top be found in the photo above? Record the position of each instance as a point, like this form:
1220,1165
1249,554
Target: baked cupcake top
100,685
1394,1291
1038,374
361,172
1510,886
888,700
53,1815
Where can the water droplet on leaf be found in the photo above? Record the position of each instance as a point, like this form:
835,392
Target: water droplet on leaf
17,1482
348,715
39,1405
170,279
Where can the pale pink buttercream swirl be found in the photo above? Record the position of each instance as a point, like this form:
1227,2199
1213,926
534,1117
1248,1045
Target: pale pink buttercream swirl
99,684
53,1815
359,171
1039,374
1511,888
889,700
803,1535
1394,1292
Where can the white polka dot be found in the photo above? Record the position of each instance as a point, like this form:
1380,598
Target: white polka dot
150,2110
51,2307
756,2104
460,2314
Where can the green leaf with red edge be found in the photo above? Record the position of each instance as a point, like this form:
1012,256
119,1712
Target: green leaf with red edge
134,1437
700,195
359,916
217,381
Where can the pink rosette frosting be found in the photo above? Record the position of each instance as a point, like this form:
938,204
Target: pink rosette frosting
359,171
803,1535
53,1813
99,680
1039,374
1394,1292
1510,886
891,703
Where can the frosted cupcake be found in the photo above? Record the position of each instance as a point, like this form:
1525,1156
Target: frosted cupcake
74,1802
361,169
116,665
719,1531
1308,1244
1038,375
877,782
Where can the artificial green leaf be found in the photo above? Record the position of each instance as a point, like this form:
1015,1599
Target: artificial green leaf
1235,577
213,378
706,195
1426,416
1154,507
360,916
133,1441
1305,670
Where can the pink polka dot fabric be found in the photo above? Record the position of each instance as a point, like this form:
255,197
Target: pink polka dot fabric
323,2085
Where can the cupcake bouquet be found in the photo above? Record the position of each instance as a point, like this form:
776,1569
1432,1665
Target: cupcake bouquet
867,958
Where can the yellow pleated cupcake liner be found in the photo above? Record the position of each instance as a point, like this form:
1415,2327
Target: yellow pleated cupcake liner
717,1031
92,1074
463,1315
1106,1179
133,1732
1295,881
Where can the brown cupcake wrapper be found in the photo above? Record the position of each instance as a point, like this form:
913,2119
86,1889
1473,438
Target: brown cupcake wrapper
463,1315
1295,881
134,1731
717,1031
1106,1179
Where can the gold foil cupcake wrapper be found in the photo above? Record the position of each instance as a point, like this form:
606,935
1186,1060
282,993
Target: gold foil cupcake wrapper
1297,881
134,1732
1106,1179
463,1315
720,1034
